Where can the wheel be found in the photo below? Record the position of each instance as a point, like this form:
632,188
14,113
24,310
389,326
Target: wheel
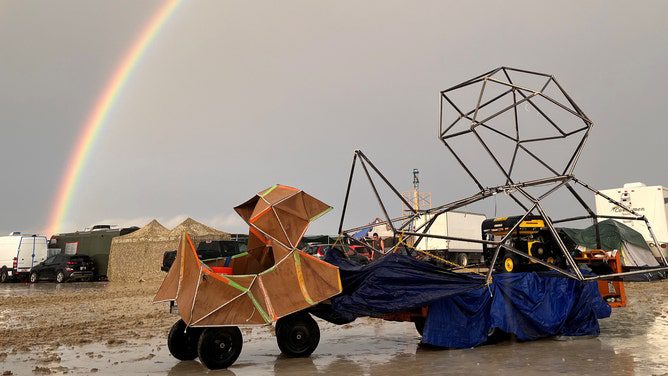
510,263
60,277
33,277
219,347
556,260
182,341
462,259
419,324
297,335
4,276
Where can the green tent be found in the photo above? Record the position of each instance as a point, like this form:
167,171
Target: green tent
615,236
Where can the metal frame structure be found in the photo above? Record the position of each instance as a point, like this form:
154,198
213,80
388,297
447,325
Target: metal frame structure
516,190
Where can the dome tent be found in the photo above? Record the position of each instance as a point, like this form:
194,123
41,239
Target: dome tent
615,236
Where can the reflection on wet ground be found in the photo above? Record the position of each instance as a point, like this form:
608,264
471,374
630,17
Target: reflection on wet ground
633,342
26,289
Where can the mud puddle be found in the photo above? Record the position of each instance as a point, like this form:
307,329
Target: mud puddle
127,334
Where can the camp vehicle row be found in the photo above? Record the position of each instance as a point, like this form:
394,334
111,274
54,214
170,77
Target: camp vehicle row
95,243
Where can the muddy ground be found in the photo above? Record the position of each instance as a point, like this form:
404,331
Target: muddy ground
108,328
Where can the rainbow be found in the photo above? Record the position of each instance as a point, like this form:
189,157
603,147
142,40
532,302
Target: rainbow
96,119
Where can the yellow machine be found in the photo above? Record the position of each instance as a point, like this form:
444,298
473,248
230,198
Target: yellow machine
531,236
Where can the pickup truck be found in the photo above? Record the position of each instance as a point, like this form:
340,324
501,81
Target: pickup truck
208,250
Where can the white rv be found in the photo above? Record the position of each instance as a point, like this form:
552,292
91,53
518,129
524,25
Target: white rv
652,202
19,253
455,224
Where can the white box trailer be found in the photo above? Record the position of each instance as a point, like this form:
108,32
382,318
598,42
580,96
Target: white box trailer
652,202
455,224
19,253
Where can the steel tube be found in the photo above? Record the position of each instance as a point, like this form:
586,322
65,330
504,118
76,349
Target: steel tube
345,201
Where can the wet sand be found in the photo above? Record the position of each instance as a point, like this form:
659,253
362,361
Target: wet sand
114,329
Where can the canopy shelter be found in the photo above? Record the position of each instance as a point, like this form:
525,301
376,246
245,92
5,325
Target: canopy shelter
615,236
271,280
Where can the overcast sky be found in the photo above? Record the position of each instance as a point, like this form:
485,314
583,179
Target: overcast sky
234,96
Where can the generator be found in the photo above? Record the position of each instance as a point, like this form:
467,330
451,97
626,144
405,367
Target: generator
531,236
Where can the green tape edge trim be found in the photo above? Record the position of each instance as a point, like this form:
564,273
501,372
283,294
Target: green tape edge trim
269,190
321,214
302,284
236,285
257,305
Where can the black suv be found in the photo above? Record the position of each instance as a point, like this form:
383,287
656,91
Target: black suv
63,268
208,250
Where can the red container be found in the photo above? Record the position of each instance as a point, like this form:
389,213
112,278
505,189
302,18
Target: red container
222,269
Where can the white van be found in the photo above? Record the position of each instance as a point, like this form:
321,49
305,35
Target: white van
19,253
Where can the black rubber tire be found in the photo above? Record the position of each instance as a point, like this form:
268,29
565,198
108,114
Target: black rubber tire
34,278
219,348
559,261
4,276
462,259
297,335
182,342
60,277
419,324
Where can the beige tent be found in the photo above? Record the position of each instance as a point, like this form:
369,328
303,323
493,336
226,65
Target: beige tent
138,255
197,231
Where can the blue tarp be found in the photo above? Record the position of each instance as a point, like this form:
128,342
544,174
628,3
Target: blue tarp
362,233
462,309
528,305
394,283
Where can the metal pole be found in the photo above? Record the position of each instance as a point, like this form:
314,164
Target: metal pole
512,229
635,272
571,219
656,242
591,213
560,242
375,191
364,244
488,277
539,261
386,181
426,229
345,201
410,233
461,163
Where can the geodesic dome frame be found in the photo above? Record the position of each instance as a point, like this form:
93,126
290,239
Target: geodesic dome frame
474,122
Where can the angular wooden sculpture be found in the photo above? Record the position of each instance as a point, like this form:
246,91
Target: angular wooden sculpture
273,279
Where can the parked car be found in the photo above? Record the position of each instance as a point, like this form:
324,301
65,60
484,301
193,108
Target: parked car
362,251
19,254
317,250
357,253
62,268
208,250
